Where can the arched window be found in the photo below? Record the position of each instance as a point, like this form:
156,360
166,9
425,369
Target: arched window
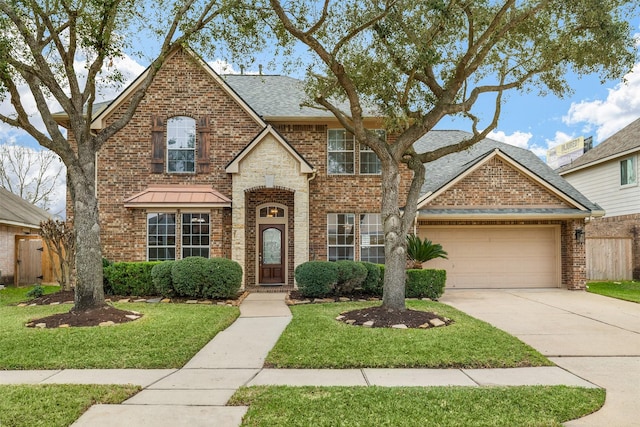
181,145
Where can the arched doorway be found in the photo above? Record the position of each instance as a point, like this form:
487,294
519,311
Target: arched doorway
271,229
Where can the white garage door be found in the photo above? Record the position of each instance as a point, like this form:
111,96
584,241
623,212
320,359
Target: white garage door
498,257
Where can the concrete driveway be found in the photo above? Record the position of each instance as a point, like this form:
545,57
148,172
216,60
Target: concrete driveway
594,337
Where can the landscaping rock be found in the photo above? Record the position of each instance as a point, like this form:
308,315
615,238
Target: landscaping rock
123,300
399,326
191,301
368,324
209,302
64,325
340,317
321,300
22,304
304,301
55,303
425,325
68,302
344,299
109,323
140,300
154,300
350,321
132,316
41,325
165,300
437,322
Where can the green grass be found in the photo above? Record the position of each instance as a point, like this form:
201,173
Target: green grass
13,295
314,339
54,405
434,406
625,290
167,336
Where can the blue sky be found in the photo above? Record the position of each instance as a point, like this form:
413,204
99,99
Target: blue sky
527,120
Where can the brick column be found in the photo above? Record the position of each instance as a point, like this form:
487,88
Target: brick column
574,261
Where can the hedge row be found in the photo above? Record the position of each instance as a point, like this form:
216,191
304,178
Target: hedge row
193,277
318,279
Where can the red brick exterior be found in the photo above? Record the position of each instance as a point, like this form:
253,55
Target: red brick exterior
498,185
183,87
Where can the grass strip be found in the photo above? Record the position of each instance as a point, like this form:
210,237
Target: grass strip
167,336
411,406
314,339
54,405
624,290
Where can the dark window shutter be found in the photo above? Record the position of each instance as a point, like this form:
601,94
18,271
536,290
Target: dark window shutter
203,145
157,144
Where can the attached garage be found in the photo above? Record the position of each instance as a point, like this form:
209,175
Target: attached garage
498,256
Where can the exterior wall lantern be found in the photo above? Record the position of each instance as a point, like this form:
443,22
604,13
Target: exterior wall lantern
579,235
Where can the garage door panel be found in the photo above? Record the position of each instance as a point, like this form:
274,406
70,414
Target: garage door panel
488,257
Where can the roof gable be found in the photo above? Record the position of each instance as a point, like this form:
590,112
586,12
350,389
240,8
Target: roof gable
622,143
234,165
99,121
445,170
496,180
16,211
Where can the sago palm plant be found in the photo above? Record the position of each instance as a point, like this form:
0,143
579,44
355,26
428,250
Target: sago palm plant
419,251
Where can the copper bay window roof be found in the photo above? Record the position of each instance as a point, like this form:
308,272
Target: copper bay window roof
176,196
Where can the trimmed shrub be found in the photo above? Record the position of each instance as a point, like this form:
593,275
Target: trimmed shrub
161,276
189,276
224,278
373,282
130,278
350,275
105,281
316,279
425,283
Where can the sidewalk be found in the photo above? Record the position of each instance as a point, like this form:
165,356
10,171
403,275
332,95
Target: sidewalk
196,394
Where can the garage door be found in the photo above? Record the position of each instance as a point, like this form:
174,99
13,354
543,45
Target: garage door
498,257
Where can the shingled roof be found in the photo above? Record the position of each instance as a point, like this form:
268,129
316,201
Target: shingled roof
277,97
16,211
442,171
625,141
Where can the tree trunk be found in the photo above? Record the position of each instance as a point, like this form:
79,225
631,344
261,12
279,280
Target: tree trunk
89,286
395,241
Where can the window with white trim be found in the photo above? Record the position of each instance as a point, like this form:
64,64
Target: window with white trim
195,235
161,236
181,145
340,152
371,238
369,161
628,174
340,236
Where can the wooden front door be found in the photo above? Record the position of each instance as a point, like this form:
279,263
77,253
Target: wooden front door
271,253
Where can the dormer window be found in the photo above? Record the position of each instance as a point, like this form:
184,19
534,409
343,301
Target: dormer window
628,174
181,145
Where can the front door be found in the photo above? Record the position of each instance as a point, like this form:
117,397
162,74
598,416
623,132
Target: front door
271,253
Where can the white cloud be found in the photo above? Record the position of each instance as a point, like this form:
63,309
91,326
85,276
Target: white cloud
607,116
517,138
223,67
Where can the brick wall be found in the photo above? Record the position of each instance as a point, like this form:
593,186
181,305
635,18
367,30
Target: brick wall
497,184
182,87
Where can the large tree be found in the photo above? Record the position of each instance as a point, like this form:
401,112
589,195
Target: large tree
419,61
59,54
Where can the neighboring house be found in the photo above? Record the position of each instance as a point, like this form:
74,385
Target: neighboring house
233,166
21,259
608,175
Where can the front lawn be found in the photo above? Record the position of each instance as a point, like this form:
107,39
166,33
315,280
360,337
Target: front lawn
314,339
54,405
167,336
411,406
625,290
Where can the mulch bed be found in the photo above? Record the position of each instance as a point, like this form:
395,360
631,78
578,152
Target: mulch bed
105,316
381,317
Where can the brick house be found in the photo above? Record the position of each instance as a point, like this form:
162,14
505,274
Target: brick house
608,175
233,166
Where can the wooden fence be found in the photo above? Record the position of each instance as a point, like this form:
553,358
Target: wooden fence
609,258
33,262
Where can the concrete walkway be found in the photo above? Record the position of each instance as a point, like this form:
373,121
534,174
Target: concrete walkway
594,337
196,394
